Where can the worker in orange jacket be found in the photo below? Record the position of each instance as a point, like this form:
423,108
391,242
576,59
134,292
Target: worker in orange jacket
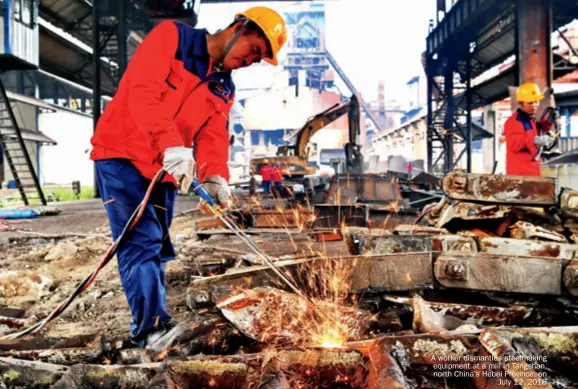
176,92
524,136
265,173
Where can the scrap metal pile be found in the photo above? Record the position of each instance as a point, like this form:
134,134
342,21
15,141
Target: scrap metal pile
480,293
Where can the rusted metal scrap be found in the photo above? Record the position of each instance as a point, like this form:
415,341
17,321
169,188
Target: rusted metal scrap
525,230
384,370
569,203
570,277
362,241
506,273
532,248
366,273
362,188
269,314
67,356
494,219
500,189
421,360
339,215
16,373
407,229
535,357
426,320
310,368
479,315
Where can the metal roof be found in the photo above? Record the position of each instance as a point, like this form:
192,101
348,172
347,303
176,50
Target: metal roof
63,58
496,88
69,15
491,24
29,100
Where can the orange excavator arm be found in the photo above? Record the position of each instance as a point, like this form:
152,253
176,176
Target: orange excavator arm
321,120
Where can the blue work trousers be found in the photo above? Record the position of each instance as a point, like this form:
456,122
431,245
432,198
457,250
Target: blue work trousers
266,186
143,255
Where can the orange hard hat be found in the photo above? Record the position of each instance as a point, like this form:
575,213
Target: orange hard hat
529,92
272,25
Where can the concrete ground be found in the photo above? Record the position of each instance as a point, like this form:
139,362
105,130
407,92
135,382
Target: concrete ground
81,216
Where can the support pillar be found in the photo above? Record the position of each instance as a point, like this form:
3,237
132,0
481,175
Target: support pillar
534,55
490,146
449,120
96,69
121,33
429,128
469,114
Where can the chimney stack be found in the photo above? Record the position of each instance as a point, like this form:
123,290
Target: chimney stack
381,98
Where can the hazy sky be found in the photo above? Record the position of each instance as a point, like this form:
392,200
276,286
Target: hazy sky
370,39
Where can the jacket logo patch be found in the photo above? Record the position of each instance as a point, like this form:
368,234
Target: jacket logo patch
221,91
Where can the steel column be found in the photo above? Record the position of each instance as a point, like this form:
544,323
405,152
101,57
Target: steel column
121,33
96,69
448,137
534,47
429,128
468,139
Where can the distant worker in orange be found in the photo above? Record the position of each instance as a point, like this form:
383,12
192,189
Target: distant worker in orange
277,176
265,173
524,136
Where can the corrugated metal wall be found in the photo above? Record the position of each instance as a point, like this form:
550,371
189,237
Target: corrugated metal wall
24,42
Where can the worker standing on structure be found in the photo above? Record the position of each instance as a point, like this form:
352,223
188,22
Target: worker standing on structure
177,91
265,173
524,136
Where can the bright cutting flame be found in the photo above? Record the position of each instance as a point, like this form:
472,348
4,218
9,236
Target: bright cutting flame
331,338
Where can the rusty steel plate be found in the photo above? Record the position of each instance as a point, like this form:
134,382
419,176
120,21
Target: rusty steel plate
363,188
500,189
532,248
505,273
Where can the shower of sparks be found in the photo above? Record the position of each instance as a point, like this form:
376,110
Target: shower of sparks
277,317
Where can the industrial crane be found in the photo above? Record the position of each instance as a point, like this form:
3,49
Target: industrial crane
294,159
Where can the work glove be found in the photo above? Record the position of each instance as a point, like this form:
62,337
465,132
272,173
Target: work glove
219,189
180,163
544,141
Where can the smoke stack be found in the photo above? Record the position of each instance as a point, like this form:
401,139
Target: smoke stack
381,98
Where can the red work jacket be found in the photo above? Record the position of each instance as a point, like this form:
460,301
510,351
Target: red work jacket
520,130
277,174
265,172
167,97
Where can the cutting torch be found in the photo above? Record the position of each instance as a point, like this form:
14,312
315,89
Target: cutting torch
208,202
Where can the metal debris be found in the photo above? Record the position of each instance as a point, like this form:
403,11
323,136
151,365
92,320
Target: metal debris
270,315
367,273
525,230
500,189
480,271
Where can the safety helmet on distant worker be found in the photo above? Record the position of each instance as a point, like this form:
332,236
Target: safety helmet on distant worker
272,25
529,92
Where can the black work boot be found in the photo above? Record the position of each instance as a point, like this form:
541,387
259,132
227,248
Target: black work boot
163,336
